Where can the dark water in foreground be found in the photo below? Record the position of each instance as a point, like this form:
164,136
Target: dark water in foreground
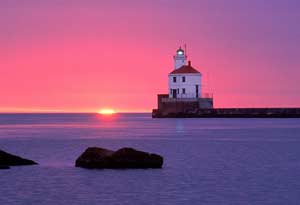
207,161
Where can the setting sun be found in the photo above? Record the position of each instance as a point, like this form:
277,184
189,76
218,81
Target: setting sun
107,111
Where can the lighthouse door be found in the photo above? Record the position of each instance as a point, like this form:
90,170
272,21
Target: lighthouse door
197,91
174,93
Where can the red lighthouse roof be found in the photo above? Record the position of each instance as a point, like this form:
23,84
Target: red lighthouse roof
185,69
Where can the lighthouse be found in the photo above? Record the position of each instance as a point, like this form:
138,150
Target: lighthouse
184,80
185,97
179,58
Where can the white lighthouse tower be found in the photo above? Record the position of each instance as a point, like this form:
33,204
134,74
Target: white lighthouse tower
185,97
184,81
179,58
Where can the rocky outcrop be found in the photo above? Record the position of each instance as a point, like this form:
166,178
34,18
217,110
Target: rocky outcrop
4,167
123,158
7,160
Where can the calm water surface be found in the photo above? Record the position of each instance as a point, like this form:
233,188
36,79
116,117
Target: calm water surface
207,161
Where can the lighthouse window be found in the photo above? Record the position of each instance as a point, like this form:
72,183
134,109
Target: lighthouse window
183,90
174,79
183,78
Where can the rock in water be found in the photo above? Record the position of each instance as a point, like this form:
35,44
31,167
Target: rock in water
94,157
100,158
131,158
7,159
4,167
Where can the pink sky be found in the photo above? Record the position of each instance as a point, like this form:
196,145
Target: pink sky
88,55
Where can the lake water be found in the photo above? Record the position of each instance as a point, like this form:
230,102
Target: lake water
207,161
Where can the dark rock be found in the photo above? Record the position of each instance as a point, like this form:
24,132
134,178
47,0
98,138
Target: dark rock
100,158
7,159
94,157
131,158
4,167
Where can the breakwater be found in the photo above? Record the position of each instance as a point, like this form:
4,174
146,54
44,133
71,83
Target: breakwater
230,113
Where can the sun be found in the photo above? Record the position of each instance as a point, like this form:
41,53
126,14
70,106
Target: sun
107,111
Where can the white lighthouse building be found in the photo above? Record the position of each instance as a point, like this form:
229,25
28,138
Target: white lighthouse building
185,97
184,80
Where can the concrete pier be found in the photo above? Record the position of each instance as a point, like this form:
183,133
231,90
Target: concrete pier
230,113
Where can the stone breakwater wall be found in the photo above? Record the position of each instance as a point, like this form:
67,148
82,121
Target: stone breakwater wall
230,113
